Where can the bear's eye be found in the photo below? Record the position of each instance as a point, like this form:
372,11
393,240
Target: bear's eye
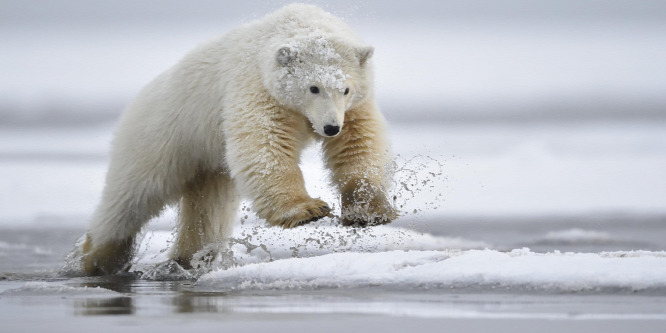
346,91
314,90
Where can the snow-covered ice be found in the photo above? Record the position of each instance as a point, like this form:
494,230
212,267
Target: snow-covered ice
453,269
326,256
43,288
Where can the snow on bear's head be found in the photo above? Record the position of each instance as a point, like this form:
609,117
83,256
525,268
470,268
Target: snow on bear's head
321,78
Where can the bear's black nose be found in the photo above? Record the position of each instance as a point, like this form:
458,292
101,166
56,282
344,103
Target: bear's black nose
331,130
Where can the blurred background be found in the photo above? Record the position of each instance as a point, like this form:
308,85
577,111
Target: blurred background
533,110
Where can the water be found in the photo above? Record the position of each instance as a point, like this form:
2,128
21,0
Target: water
576,233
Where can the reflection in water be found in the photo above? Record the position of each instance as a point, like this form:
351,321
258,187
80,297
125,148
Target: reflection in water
143,296
113,306
150,299
177,296
192,303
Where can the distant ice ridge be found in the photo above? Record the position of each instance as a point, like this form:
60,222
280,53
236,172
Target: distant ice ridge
577,235
517,269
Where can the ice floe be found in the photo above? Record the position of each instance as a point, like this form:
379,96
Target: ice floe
327,256
445,269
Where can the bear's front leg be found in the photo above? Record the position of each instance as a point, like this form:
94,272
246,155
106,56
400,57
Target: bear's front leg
262,151
359,159
109,258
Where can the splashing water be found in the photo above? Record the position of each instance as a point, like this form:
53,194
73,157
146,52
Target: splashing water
417,181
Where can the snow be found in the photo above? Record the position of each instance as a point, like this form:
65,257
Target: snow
324,64
519,269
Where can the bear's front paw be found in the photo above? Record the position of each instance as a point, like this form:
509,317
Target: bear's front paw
303,213
375,211
107,259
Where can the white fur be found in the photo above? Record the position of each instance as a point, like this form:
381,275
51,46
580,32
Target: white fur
236,112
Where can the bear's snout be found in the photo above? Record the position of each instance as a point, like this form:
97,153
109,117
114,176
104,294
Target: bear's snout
331,130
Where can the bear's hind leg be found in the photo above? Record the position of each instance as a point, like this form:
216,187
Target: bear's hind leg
110,241
207,212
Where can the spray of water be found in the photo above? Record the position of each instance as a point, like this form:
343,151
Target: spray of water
418,182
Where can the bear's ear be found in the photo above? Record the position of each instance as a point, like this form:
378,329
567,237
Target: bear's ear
364,53
285,56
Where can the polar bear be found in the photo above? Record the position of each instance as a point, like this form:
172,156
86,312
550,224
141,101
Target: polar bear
229,121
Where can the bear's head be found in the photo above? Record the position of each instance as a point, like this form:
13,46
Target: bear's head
321,78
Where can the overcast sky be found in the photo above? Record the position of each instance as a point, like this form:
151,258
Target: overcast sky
30,12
